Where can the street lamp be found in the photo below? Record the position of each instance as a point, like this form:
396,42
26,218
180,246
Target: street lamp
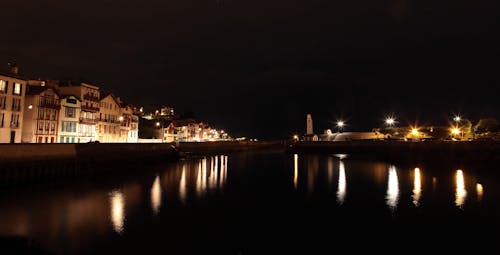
340,125
390,121
120,118
457,118
162,130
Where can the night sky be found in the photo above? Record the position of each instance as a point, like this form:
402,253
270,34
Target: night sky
257,67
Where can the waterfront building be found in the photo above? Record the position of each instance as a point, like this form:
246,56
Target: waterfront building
89,108
129,124
69,120
188,130
110,118
12,96
41,115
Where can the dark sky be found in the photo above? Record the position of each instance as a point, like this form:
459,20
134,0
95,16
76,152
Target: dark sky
257,67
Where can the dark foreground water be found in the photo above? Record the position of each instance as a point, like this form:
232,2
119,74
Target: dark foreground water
258,204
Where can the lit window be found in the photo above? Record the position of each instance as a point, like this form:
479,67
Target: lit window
3,86
17,88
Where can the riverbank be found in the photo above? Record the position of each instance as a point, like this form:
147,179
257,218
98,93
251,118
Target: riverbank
396,151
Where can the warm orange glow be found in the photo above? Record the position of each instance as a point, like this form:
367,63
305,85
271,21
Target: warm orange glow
295,170
455,131
392,188
460,193
417,187
480,192
414,131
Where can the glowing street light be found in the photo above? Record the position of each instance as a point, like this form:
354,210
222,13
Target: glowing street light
340,125
455,131
457,118
414,132
157,124
390,121
120,118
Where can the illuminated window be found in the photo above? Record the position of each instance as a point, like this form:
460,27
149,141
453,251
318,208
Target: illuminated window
17,89
3,86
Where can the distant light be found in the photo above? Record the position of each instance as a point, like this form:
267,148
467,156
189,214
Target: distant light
30,106
295,137
340,123
390,121
455,131
457,118
120,118
157,124
141,109
414,131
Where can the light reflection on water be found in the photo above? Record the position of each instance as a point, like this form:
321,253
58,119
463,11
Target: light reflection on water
295,170
156,195
342,183
85,215
480,191
117,210
392,188
417,187
460,192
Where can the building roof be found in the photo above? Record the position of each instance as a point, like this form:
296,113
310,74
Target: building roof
118,102
8,74
36,90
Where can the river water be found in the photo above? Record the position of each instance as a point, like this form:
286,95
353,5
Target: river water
258,203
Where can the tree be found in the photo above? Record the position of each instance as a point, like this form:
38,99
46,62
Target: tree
487,125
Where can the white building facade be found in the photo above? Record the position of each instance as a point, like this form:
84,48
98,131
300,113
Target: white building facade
69,119
41,115
12,96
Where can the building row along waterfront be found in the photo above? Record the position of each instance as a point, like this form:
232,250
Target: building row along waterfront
45,111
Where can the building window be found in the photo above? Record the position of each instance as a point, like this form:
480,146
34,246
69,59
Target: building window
3,86
14,120
53,115
2,116
52,127
16,104
40,126
61,139
3,102
69,112
17,88
40,113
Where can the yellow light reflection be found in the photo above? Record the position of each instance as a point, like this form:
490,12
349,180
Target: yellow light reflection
225,168
182,185
417,187
480,192
156,195
460,193
295,170
392,188
330,172
117,210
342,184
199,181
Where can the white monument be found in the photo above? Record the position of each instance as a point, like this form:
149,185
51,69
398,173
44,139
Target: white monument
309,125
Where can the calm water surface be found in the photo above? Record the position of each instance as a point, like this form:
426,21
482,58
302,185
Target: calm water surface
256,203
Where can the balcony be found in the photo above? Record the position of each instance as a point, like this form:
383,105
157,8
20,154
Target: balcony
88,121
91,97
89,108
110,121
54,104
14,125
